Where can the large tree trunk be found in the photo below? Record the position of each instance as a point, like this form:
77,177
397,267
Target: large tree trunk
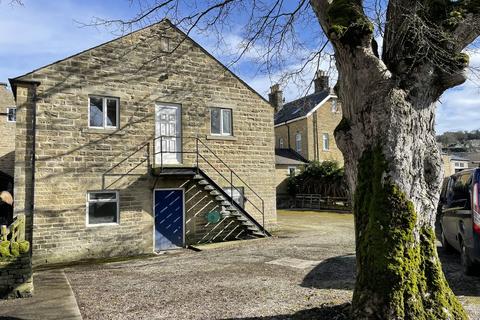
393,166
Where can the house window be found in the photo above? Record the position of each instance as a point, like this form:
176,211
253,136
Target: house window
291,171
280,143
102,207
298,142
221,121
334,105
11,114
326,142
103,112
237,195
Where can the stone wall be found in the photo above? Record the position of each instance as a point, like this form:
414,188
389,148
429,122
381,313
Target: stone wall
323,120
288,132
71,158
16,280
7,132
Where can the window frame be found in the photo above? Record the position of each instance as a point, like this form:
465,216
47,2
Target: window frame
8,114
87,204
325,138
240,190
222,133
104,111
334,104
298,142
289,168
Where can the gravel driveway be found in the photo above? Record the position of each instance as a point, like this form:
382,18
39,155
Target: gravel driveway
306,271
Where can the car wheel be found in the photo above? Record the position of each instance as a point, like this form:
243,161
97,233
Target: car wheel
467,264
446,246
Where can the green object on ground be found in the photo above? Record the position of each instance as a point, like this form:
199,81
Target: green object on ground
213,216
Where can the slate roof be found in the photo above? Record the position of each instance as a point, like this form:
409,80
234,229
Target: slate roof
288,156
300,107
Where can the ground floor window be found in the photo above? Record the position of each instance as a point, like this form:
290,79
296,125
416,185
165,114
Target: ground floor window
237,195
102,207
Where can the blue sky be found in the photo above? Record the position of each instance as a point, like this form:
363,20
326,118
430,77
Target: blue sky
43,31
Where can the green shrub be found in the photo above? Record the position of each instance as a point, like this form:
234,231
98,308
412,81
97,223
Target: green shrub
24,246
14,249
5,249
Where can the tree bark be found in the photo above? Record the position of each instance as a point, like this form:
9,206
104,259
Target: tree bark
392,164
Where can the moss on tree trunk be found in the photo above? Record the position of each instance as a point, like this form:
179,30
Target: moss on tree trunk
398,271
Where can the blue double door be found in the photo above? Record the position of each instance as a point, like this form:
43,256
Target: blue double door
169,219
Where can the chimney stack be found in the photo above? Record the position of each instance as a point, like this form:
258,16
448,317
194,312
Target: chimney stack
275,97
321,81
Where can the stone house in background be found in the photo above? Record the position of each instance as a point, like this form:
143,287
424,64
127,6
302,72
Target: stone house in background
7,130
141,144
304,129
453,163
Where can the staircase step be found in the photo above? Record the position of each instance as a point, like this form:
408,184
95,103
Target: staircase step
258,233
203,182
231,208
225,203
253,228
241,218
209,188
220,198
198,177
215,193
247,224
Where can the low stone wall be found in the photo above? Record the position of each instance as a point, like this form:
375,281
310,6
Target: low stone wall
16,280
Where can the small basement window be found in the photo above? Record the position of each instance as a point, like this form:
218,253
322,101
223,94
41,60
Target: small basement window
238,195
103,112
102,207
221,122
11,114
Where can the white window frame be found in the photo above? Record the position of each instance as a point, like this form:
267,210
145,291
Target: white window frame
325,138
280,143
221,122
8,114
298,142
334,105
294,170
117,200
104,106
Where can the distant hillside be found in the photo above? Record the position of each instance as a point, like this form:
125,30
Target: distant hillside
460,141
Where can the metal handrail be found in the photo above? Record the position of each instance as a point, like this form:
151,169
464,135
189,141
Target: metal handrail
199,155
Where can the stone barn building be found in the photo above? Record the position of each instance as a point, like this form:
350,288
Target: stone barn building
141,144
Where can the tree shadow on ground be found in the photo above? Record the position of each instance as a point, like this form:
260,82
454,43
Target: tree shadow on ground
332,273
324,312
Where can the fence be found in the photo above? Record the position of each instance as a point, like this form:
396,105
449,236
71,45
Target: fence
315,201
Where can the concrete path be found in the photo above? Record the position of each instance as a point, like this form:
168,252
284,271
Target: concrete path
53,299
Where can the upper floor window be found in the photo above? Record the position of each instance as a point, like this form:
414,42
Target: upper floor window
298,142
221,121
103,112
326,142
102,207
11,114
280,143
292,171
334,105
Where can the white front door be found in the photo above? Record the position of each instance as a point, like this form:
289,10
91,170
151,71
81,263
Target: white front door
168,127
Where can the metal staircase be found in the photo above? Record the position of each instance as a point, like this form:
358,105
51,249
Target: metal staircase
230,207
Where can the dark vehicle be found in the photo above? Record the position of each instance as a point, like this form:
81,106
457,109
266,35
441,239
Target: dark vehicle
460,217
